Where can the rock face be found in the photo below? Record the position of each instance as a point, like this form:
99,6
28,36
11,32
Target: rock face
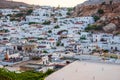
111,12
93,2
110,27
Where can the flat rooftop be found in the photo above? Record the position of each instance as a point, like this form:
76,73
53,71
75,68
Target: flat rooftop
81,70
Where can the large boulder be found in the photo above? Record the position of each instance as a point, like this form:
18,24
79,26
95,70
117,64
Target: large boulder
110,27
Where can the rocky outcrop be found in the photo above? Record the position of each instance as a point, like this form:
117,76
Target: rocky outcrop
110,27
94,2
111,12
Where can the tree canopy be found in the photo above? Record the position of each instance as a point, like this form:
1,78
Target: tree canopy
28,75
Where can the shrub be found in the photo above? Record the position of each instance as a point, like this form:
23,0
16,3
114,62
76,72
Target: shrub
40,38
33,23
83,38
68,13
58,43
49,31
29,12
46,23
27,75
100,11
96,18
45,51
49,71
69,9
93,27
56,27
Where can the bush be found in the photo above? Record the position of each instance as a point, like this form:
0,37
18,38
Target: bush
46,23
100,11
45,51
68,13
32,23
56,27
27,75
83,38
69,9
49,31
40,38
49,71
96,18
93,27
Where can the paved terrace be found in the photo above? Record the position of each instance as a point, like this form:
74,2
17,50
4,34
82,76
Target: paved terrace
81,70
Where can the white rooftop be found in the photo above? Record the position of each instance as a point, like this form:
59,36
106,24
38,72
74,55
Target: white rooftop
87,71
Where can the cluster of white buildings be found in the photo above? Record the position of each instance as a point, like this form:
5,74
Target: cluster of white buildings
49,30
9,11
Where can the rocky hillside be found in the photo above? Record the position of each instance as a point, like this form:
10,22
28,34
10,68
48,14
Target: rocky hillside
11,4
93,2
105,12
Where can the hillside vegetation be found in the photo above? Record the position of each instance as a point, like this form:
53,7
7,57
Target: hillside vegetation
29,75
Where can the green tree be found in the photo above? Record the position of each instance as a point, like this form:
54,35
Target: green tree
27,75
69,9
